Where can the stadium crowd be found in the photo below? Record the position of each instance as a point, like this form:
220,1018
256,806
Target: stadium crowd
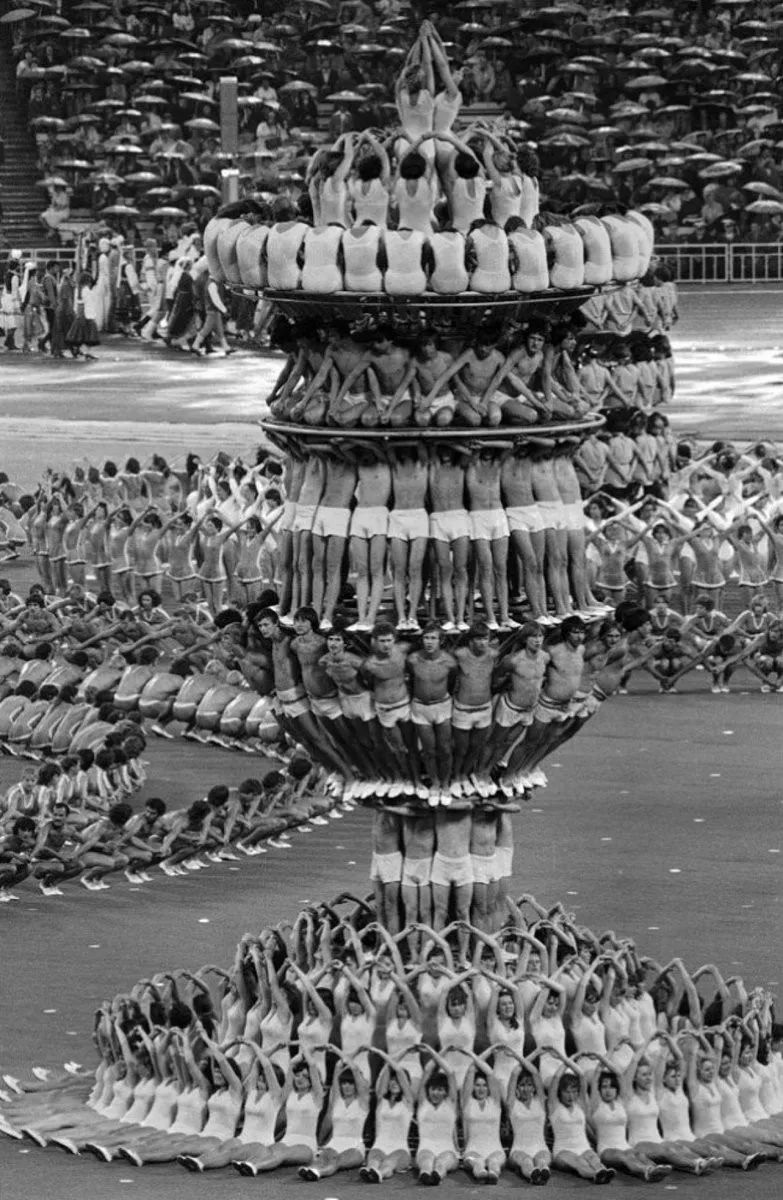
666,107
332,1045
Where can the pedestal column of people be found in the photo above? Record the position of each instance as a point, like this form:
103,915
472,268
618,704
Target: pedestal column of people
443,727
444,520
544,1048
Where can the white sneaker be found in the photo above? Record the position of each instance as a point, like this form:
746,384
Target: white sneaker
49,891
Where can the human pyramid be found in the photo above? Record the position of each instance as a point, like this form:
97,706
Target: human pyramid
540,1047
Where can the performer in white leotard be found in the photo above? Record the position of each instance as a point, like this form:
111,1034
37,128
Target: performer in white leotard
571,1151
302,1098
436,1115
395,1101
480,1102
525,1104
262,1099
609,1120
346,1114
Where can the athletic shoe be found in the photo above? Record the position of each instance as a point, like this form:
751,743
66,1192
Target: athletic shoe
48,890
131,1156
33,1135
100,1152
311,1174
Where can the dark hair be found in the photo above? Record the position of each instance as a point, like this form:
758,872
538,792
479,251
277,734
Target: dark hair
369,167
155,803
23,825
217,794
466,165
413,165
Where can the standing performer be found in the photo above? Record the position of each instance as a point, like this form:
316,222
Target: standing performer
433,673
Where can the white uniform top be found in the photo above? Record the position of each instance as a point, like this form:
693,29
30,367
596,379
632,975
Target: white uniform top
625,248
190,1112
250,249
731,1113
414,210
530,204
163,1106
404,272
462,1034
647,240
598,250
642,1118
301,1119
355,1032
312,1032
417,114
568,269
400,1038
589,1033
505,199
568,1129
532,272
491,273
211,232
467,201
227,251
481,1122
333,194
705,1104
320,270
260,1119
527,1124
369,205
504,1064
282,248
445,111
610,1122
347,1125
121,1099
771,1094
360,258
274,1031
437,1126
143,1096
548,1031
449,276
222,1115
392,1124
674,1115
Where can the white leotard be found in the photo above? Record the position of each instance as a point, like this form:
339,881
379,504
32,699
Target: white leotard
674,1115
392,1124
491,273
404,272
320,270
466,201
190,1112
161,1114
610,1123
415,210
532,273
642,1118
333,195
360,256
282,248
222,1115
705,1106
731,1113
505,199
347,1124
301,1120
527,1124
355,1032
448,276
481,1122
260,1119
372,205
460,1033
437,1126
276,1030
250,248
568,1129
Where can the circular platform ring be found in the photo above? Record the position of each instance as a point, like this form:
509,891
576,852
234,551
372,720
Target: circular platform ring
487,436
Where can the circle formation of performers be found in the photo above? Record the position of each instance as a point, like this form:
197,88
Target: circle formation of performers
332,1045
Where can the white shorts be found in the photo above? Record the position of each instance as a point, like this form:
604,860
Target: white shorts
416,871
293,702
507,714
450,526
326,706
288,519
390,715
386,868
437,713
485,868
358,706
488,524
303,518
448,871
552,513
504,856
369,522
407,524
331,522
549,711
574,515
526,518
479,717
443,400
